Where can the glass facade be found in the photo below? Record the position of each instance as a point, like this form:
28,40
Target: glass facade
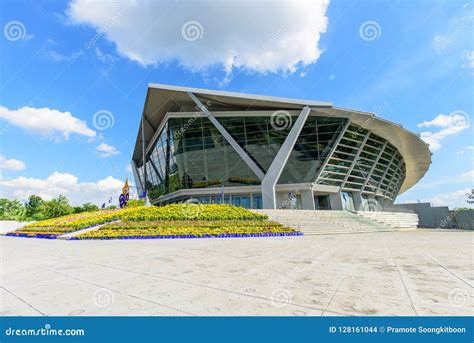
190,153
311,149
262,141
363,161
242,200
257,137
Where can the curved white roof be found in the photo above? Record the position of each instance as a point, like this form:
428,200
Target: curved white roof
161,99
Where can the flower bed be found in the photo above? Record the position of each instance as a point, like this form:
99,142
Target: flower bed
75,222
191,212
33,234
177,220
188,229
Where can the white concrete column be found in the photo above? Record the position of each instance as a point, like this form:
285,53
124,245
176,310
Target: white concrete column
136,176
307,199
358,201
336,201
279,162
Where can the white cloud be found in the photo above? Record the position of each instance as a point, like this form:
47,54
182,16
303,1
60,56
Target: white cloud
468,148
451,124
469,176
11,164
104,57
49,53
106,150
455,32
443,120
46,121
434,138
466,177
468,57
260,36
439,42
454,199
65,184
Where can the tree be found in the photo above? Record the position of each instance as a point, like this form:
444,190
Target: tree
12,210
34,207
87,207
57,207
135,203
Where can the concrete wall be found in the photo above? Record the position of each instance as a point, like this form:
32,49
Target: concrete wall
10,225
464,219
440,216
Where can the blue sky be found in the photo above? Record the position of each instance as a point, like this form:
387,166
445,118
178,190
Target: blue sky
410,62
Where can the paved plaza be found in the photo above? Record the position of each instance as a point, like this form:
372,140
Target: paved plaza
422,272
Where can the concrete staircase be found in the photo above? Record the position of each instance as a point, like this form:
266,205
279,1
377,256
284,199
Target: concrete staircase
398,220
325,222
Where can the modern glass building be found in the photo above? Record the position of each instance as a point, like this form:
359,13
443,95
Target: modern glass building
266,152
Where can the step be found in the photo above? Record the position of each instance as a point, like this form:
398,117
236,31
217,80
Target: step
392,219
325,222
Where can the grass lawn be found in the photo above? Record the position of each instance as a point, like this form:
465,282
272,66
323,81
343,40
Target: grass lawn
172,221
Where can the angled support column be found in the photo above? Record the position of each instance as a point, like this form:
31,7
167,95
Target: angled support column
279,162
156,170
252,165
384,174
334,147
369,177
136,176
144,158
355,160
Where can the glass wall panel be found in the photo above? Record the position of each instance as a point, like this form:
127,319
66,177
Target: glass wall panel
379,167
191,153
311,148
257,137
257,201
